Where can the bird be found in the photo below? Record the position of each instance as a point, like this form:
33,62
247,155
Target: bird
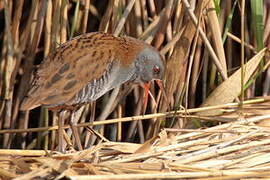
84,68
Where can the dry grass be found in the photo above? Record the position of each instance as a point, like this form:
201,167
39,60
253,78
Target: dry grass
204,46
229,151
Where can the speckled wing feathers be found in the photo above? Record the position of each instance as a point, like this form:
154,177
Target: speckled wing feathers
75,64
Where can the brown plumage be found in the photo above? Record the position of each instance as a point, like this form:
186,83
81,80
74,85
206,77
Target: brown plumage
86,67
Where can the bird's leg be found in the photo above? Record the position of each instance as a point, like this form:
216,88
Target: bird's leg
73,123
61,122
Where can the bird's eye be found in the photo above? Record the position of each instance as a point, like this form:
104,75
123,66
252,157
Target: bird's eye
156,69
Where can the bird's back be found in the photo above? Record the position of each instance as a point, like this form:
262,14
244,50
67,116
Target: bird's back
78,65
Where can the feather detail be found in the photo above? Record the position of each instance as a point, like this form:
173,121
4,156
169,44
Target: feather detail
74,69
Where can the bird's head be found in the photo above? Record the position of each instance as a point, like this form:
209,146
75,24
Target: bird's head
149,65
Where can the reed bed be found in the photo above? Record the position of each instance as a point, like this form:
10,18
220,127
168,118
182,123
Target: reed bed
216,55
235,150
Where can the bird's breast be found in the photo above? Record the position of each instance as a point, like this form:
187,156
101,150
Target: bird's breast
95,88
114,76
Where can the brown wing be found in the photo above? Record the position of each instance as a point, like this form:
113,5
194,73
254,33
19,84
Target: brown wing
70,68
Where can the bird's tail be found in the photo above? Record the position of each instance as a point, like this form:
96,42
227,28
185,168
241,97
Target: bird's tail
29,103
